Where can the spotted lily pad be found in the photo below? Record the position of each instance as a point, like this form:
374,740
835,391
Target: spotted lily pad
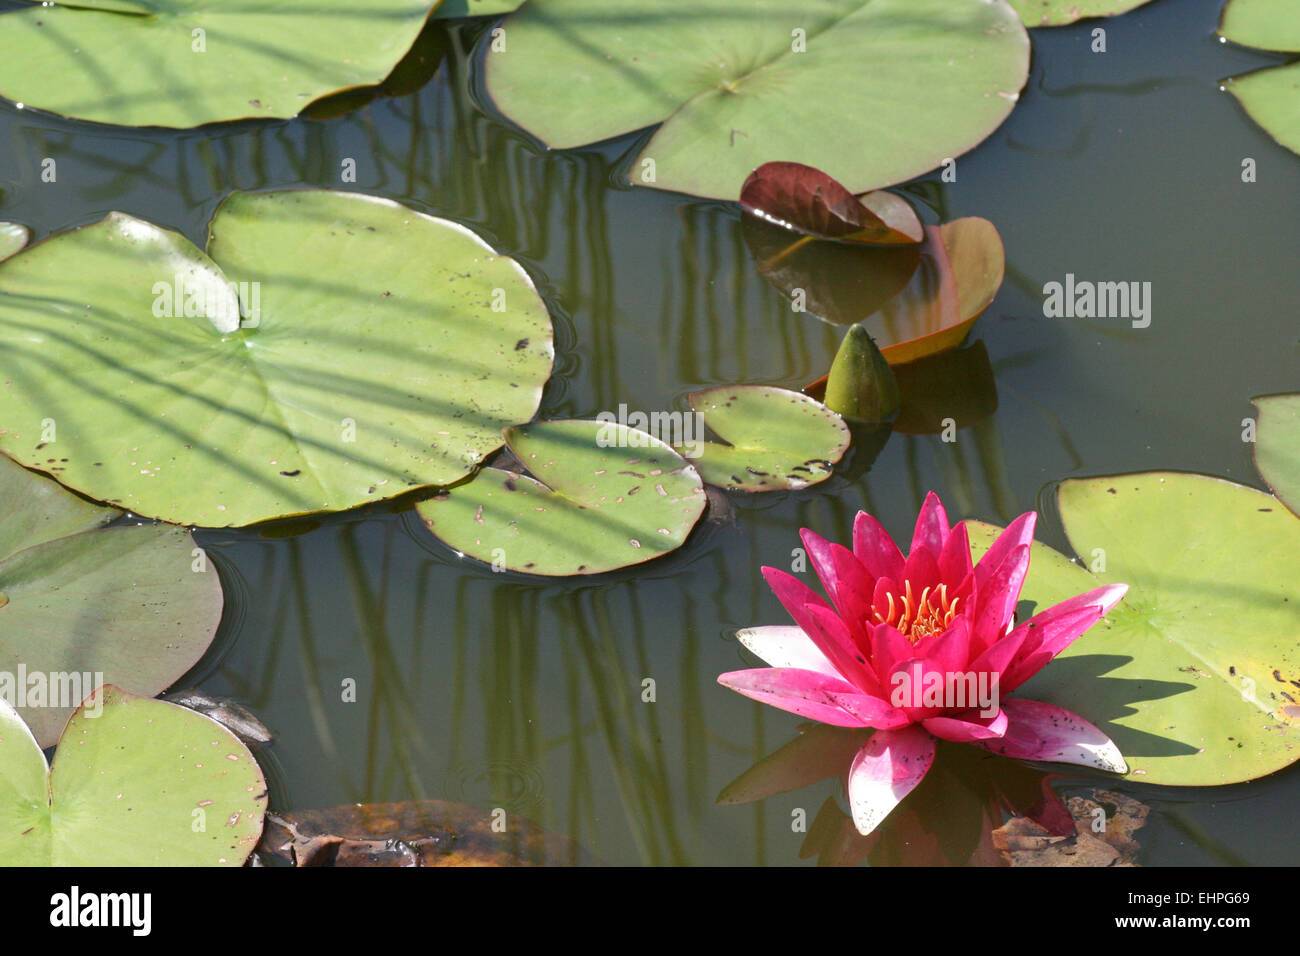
12,238
81,604
1271,96
1196,674
329,350
135,782
1277,446
601,496
182,63
775,438
1055,13
738,83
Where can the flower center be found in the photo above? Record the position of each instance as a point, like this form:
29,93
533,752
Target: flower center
914,617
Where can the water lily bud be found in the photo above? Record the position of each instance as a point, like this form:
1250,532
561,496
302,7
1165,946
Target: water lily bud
861,386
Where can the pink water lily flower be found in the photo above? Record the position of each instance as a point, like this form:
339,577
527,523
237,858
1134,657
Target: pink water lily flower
920,647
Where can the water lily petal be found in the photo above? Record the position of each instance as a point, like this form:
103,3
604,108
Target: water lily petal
876,549
872,711
954,560
831,635
968,726
889,649
996,599
819,552
931,527
785,646
1020,533
827,632
1049,632
921,571
1039,731
806,693
949,650
886,769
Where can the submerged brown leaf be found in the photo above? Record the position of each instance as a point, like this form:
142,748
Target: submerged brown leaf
412,833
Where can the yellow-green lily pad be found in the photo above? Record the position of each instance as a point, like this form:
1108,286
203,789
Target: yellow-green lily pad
776,439
1196,674
601,496
183,63
328,350
134,782
82,604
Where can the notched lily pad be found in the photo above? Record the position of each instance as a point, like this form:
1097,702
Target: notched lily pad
183,63
12,238
1264,24
599,496
135,782
82,604
776,439
328,350
1196,674
1277,446
738,83
1270,96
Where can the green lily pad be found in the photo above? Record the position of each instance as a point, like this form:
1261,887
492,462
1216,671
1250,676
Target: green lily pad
1272,99
776,439
1277,446
602,496
135,782
12,238
380,350
738,83
1056,13
183,63
1266,24
81,604
1196,674
1270,96
449,9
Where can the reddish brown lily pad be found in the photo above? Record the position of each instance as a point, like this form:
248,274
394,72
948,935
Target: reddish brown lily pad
962,266
807,200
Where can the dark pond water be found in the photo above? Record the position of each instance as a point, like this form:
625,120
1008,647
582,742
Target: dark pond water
524,694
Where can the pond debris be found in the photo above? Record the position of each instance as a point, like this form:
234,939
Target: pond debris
231,714
411,833
1104,828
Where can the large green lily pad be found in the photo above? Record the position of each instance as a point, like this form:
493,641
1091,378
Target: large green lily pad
12,238
738,83
182,63
81,604
1266,24
602,496
135,782
388,350
1277,446
1055,13
776,439
1196,674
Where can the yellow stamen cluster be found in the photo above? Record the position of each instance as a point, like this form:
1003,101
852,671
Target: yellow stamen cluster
931,613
